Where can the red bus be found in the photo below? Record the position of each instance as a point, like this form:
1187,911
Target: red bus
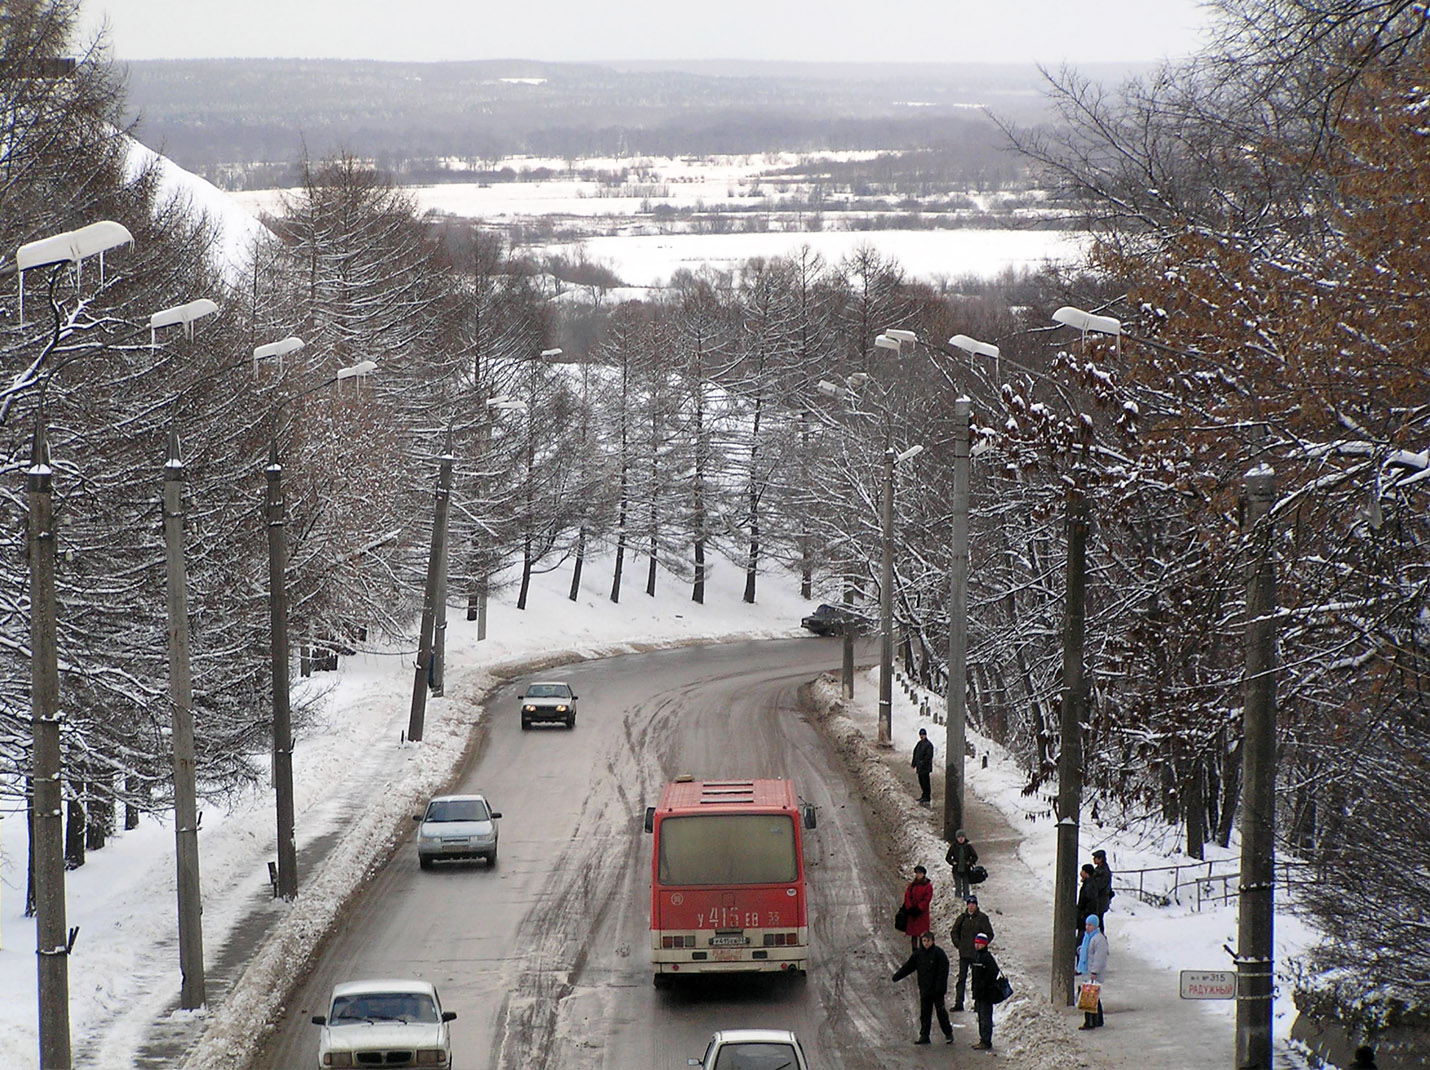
727,892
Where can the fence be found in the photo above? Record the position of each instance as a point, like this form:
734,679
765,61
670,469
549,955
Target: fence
1197,883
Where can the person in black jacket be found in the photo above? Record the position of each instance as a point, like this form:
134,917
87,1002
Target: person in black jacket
1086,896
922,762
1365,1058
966,928
962,857
1103,876
985,990
931,964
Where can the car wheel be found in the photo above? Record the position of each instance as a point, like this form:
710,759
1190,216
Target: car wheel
571,723
661,980
525,724
492,858
424,862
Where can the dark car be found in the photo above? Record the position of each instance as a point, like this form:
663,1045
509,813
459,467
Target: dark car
830,620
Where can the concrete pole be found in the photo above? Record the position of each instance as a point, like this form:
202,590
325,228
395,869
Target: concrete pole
429,600
439,618
886,608
1255,973
282,717
181,706
1070,756
847,663
52,943
956,697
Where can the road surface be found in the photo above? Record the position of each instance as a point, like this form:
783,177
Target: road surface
544,957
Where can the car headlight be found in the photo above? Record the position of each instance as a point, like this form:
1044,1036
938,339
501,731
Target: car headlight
528,709
431,1057
561,709
338,1058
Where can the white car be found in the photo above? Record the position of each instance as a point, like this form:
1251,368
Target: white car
386,1024
548,700
752,1049
457,826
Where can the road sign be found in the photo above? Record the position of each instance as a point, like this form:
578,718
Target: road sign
1208,984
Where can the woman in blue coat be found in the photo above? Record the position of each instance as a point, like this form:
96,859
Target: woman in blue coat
1092,963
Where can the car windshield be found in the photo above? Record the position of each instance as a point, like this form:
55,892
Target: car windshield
765,1055
548,691
384,1007
457,810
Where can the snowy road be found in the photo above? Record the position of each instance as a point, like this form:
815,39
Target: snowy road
543,958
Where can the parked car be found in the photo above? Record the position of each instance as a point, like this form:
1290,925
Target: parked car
457,826
830,620
548,701
385,1023
752,1049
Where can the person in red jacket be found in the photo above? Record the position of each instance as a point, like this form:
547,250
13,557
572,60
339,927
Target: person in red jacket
918,901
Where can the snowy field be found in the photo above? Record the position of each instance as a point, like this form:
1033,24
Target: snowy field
620,224
124,972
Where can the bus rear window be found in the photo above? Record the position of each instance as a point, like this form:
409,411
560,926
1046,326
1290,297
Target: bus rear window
728,849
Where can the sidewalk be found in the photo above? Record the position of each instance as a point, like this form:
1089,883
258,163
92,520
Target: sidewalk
1148,1026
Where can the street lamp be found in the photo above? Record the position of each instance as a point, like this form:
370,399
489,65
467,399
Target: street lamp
53,940
274,512
192,992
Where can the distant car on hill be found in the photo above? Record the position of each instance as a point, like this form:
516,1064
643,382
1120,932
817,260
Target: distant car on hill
548,701
830,620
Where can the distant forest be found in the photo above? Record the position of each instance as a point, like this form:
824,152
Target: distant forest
244,123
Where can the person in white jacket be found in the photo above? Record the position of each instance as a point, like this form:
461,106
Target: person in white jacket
1092,963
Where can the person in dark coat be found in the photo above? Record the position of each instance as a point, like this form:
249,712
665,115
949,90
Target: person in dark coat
1086,896
1365,1058
922,762
931,964
962,857
918,901
1103,876
968,925
985,990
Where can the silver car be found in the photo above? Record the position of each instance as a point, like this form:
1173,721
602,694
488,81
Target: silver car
457,826
548,700
385,1023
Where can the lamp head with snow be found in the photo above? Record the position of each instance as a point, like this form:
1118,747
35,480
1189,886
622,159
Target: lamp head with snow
900,335
1086,321
834,390
883,341
856,379
185,314
911,452
548,354
71,247
974,346
361,370
277,350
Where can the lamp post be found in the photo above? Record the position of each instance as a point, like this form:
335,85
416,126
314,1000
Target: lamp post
192,991
892,458
499,403
53,939
275,514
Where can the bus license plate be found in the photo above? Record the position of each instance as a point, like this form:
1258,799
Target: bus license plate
726,954
728,941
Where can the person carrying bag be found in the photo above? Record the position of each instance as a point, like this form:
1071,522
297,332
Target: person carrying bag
1091,963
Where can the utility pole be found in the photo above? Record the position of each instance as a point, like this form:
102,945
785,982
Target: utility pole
1255,974
439,618
886,606
1070,756
282,716
429,601
52,942
956,695
181,705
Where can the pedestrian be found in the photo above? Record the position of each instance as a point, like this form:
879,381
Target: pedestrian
918,902
1086,896
931,965
966,927
922,762
1365,1058
962,857
985,990
1092,964
1105,894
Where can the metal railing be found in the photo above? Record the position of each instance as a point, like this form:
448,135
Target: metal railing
1198,883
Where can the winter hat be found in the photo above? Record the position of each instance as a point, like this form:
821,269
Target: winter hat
971,899
981,938
960,835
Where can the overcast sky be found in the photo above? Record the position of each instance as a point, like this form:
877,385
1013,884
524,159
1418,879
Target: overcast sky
1045,31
